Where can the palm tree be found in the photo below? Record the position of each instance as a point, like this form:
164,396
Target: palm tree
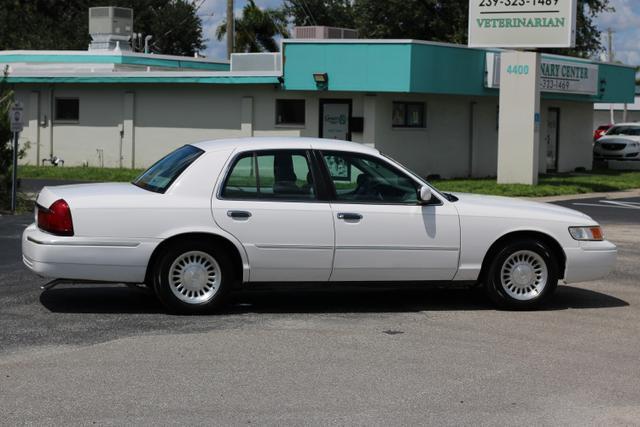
257,29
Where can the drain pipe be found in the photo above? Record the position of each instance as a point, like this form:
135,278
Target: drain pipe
51,115
472,124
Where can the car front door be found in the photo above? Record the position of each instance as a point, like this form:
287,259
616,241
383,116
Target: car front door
269,201
382,230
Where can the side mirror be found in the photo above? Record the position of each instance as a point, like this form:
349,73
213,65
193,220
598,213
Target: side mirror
425,194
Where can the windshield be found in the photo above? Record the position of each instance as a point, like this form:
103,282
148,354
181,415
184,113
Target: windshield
159,177
624,130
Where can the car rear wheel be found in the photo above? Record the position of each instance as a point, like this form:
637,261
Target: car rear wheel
192,278
522,275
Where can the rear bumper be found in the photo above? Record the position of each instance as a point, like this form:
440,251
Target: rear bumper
85,258
590,261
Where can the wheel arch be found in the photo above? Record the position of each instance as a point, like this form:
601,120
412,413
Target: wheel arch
214,239
551,242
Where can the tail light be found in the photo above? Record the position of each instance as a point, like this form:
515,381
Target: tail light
56,219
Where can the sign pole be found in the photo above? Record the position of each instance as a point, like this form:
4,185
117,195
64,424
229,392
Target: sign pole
525,25
519,118
16,124
14,173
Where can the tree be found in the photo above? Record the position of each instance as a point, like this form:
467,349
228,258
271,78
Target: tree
6,149
331,13
444,21
6,143
64,24
588,41
447,21
257,29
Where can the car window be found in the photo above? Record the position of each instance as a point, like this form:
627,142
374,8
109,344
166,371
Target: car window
361,178
624,130
282,175
159,177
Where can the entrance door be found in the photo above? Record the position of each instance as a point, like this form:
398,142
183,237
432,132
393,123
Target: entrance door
552,138
335,115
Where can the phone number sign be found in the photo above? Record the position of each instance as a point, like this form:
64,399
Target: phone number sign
557,76
522,23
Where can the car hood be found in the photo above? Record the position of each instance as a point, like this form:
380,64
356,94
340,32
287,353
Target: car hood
94,195
507,207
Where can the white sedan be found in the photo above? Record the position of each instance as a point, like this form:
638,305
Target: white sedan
621,142
216,215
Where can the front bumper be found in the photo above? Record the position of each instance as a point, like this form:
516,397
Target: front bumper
590,261
616,155
80,258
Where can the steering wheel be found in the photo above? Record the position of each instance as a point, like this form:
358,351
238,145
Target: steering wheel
375,189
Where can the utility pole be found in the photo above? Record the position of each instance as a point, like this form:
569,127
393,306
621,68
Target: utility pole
230,21
610,43
610,52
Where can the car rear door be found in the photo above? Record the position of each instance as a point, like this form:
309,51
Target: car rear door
270,202
382,232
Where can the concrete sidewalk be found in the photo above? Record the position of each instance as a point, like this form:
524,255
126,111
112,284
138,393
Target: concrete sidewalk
605,195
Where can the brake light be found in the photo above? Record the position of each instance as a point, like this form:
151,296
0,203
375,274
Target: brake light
56,219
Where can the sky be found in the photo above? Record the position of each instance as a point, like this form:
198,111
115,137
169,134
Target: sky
625,22
213,12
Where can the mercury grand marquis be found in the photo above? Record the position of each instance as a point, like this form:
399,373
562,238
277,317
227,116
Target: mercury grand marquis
221,214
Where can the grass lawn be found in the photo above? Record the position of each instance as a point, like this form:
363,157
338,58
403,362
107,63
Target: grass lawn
79,173
549,185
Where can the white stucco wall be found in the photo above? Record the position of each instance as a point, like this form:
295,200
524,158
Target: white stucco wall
460,137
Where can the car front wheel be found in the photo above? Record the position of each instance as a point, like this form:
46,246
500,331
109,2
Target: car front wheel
192,278
522,275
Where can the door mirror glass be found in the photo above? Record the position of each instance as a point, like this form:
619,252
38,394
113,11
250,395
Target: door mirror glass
425,194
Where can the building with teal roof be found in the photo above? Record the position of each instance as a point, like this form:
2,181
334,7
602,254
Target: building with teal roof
431,106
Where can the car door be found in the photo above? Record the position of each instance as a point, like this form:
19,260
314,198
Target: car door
382,231
269,201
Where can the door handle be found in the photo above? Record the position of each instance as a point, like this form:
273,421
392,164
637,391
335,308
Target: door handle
348,216
239,214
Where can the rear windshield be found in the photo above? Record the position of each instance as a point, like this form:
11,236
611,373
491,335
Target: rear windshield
159,177
624,130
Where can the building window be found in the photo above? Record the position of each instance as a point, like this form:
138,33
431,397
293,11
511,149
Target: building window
408,115
67,109
290,112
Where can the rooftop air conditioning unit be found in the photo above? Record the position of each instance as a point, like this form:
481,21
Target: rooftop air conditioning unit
110,27
111,20
324,33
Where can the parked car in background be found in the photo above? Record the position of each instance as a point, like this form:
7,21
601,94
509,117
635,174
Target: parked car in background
620,142
246,212
600,131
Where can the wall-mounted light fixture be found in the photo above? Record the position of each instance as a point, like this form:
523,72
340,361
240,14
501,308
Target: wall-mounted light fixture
321,78
603,87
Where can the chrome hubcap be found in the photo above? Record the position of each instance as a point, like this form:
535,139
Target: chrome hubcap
194,277
524,275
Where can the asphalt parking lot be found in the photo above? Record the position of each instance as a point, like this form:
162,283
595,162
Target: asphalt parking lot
608,211
109,355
